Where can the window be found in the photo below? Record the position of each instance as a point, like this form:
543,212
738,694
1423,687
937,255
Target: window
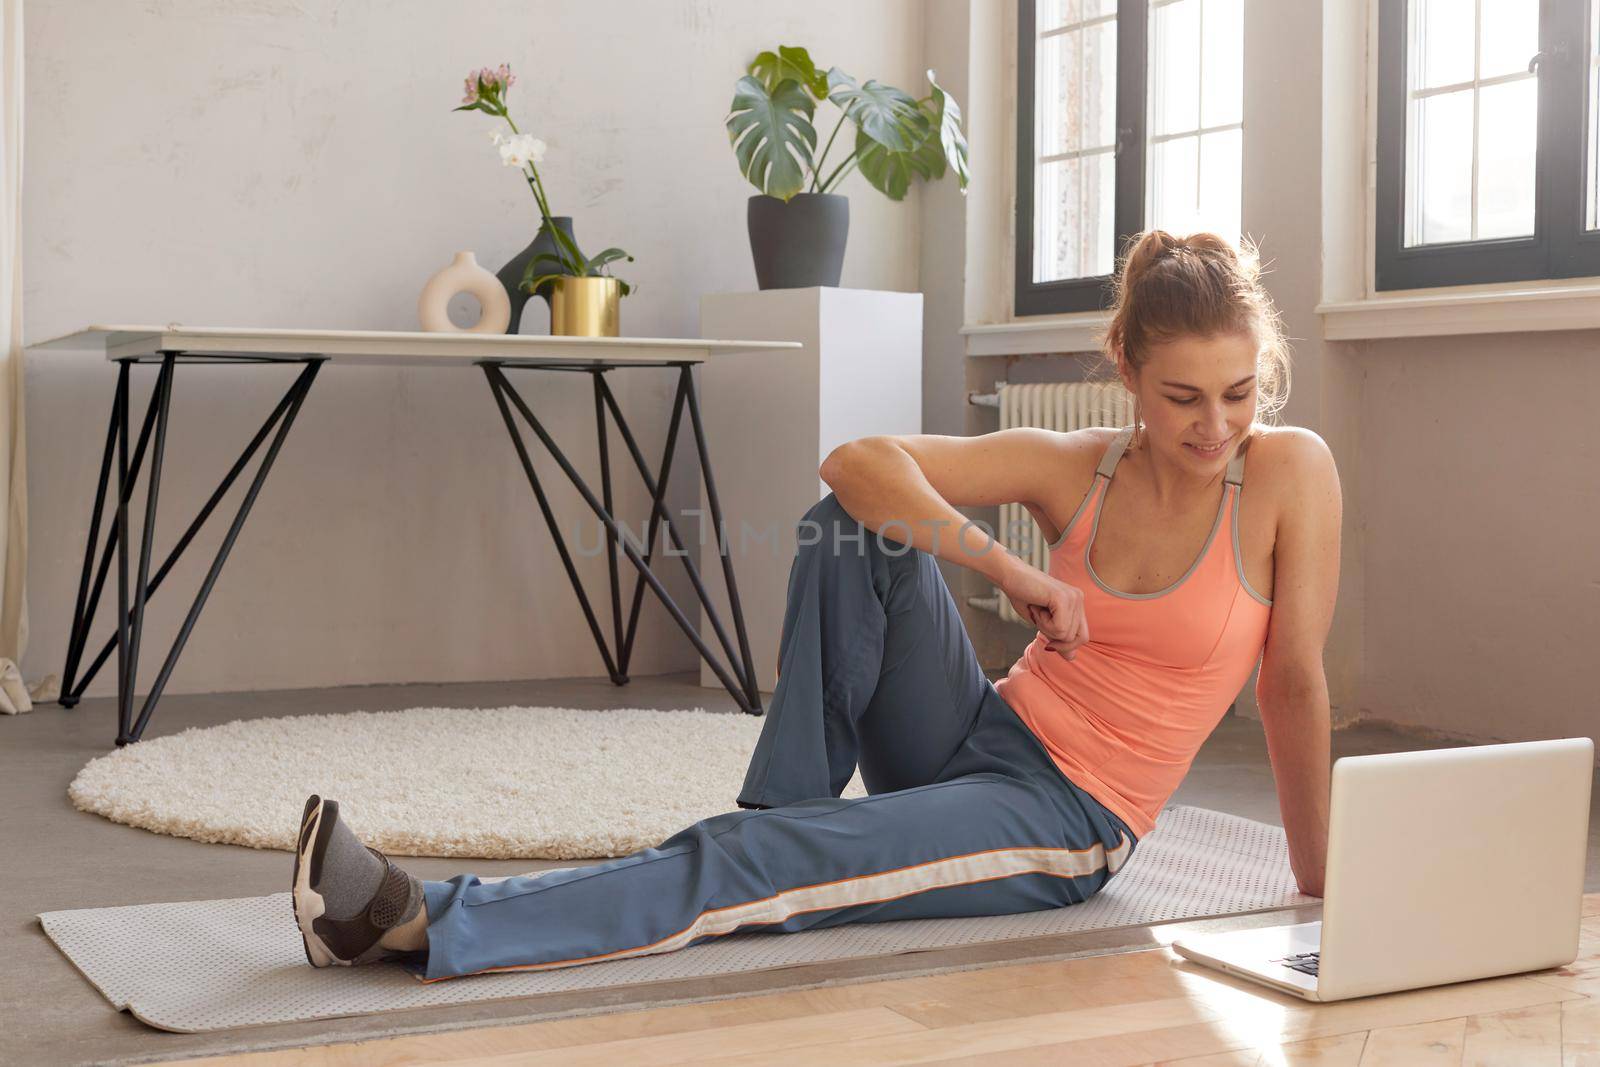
1486,141
1129,115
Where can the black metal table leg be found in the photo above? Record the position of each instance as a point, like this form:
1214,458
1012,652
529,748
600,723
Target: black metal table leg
131,617
738,675
497,388
162,401
718,532
605,499
658,513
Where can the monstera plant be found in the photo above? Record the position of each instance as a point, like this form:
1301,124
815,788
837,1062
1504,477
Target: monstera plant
798,224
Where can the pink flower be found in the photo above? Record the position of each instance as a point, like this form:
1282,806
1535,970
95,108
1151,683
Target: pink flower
488,83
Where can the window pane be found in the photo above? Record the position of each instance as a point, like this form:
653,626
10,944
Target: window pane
1076,90
1439,184
1507,140
1057,239
1222,63
1196,82
1075,108
1174,66
1508,36
1075,94
1100,215
1049,14
1074,229
1056,88
1100,85
1221,164
1442,36
1174,186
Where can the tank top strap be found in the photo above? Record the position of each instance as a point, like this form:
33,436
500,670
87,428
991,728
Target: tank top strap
1119,444
1235,470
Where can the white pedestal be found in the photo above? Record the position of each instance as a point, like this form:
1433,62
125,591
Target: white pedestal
771,418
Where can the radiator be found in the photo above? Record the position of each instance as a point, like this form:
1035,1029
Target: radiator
1053,406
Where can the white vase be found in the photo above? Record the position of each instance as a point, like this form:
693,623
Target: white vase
463,275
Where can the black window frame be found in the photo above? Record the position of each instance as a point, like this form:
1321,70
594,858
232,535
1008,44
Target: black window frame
1560,247
1094,293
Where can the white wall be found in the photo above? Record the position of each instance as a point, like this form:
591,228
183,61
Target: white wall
286,164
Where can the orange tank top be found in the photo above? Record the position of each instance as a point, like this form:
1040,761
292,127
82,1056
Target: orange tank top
1125,718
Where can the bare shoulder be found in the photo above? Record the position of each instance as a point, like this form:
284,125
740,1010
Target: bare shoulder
1293,451
1081,452
1088,444
1289,463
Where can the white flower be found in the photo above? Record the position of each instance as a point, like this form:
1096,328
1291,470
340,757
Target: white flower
519,150
495,135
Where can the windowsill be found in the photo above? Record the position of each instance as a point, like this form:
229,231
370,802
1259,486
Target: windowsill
1464,310
1037,335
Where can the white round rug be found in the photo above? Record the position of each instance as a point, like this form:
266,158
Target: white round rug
493,783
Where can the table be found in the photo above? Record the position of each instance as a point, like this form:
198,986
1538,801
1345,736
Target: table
175,344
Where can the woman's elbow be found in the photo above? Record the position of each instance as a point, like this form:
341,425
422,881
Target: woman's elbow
839,463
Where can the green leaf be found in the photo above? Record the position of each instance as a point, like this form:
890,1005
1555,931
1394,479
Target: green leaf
610,255
888,115
772,135
790,61
951,144
930,157
540,269
538,282
888,171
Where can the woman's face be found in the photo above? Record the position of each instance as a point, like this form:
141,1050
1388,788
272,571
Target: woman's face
1196,392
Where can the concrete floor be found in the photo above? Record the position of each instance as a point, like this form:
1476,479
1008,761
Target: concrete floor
59,858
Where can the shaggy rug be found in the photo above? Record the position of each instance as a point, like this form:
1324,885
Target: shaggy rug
492,783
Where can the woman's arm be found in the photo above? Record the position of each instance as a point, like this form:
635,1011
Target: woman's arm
1292,689
907,488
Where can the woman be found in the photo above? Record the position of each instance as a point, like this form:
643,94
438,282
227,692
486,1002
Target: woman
985,798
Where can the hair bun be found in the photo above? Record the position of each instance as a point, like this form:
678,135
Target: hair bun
1147,250
1244,257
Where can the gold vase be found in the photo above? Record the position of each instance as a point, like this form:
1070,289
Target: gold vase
584,307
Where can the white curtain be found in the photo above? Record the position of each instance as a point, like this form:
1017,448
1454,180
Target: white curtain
14,696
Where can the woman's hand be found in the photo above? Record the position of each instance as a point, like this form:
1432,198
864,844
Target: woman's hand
1053,606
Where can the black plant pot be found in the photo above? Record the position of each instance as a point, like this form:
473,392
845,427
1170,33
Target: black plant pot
510,275
798,243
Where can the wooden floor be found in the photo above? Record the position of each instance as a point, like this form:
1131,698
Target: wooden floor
1142,1007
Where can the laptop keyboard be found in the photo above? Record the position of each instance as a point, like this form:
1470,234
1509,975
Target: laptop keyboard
1304,962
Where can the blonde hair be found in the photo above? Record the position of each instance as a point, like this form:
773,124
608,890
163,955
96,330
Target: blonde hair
1201,285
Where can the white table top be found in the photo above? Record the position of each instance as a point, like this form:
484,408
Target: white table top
395,347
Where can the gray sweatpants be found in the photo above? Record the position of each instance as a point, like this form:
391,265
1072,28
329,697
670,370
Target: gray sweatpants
967,815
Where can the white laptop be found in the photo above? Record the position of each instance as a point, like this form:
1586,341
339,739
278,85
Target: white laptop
1444,865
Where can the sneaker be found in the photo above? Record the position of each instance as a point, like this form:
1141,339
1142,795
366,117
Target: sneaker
337,928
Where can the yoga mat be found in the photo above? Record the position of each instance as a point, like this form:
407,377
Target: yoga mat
221,964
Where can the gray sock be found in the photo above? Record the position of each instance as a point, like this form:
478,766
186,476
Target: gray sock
351,875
